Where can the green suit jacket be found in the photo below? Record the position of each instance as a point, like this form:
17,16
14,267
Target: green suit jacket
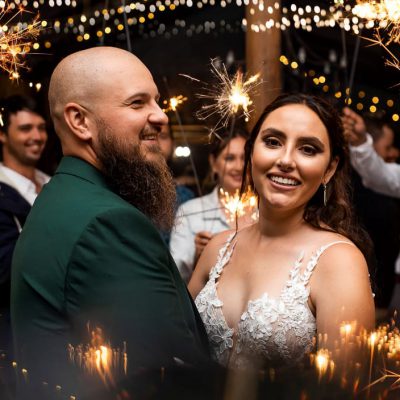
85,259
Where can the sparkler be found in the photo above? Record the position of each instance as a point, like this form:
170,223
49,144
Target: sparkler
173,103
99,358
239,205
15,42
386,13
229,97
323,363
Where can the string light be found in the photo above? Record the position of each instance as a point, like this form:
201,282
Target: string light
363,101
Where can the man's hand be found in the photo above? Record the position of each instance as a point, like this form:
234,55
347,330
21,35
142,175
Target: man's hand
354,127
200,240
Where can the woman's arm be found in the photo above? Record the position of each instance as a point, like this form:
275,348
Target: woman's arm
341,291
206,261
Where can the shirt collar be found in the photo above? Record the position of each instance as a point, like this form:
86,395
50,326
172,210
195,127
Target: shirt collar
23,185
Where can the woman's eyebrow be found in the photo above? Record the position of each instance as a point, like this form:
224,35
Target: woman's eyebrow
273,131
312,140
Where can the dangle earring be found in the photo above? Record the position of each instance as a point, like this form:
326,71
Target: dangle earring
325,195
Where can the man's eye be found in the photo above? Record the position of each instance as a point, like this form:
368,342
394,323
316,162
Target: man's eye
272,142
137,103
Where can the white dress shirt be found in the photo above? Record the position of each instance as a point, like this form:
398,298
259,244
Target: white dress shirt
376,174
201,214
23,185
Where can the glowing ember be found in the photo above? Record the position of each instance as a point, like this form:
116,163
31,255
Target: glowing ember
99,358
239,205
173,103
322,361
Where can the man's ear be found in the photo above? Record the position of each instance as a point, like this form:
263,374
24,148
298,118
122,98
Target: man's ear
3,136
331,170
77,119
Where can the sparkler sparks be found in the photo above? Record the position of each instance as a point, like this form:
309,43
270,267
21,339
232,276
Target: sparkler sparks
239,205
173,103
323,363
99,358
229,97
15,41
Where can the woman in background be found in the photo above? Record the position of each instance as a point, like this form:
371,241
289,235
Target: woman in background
199,219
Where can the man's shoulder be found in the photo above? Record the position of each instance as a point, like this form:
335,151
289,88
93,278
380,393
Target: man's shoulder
69,200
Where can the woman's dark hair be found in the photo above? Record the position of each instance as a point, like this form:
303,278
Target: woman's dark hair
337,215
219,142
216,146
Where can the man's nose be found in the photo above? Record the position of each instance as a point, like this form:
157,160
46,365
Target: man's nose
37,134
158,116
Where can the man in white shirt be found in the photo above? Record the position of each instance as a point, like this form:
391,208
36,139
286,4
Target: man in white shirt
23,137
376,174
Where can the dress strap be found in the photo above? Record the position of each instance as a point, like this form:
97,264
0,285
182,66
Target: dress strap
315,257
224,256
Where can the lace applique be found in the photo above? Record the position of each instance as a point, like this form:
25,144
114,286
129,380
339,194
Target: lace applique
278,330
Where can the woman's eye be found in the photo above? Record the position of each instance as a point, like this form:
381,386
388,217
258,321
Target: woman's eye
229,157
272,142
309,150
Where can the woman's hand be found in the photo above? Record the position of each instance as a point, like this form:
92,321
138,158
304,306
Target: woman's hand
201,240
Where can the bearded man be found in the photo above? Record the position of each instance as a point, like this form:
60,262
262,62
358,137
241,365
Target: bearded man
90,256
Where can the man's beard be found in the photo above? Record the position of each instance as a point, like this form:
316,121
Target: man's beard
146,184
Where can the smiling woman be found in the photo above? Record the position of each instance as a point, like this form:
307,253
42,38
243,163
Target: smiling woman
199,219
264,292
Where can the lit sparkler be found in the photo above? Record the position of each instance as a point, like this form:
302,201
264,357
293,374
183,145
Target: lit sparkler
229,96
239,205
323,363
173,103
99,358
15,41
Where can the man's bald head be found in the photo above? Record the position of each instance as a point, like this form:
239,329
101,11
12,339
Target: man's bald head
85,76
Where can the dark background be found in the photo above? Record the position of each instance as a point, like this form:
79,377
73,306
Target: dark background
184,40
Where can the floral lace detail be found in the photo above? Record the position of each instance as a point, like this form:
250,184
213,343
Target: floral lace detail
278,330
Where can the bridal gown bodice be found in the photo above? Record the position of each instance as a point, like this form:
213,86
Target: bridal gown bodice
279,330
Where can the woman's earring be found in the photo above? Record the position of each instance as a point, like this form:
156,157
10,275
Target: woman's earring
325,195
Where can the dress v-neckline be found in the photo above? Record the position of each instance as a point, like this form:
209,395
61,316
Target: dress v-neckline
292,274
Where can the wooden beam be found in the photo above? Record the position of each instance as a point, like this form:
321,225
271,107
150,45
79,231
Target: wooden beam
263,50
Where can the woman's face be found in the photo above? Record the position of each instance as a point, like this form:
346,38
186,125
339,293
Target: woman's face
228,165
291,157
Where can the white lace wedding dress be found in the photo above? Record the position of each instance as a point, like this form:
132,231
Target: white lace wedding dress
276,330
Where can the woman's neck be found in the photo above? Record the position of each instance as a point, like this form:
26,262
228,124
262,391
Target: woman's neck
274,222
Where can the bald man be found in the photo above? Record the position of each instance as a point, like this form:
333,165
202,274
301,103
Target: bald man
90,256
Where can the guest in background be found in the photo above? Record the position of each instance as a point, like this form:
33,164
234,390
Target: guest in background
201,218
380,214
183,194
376,174
23,136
